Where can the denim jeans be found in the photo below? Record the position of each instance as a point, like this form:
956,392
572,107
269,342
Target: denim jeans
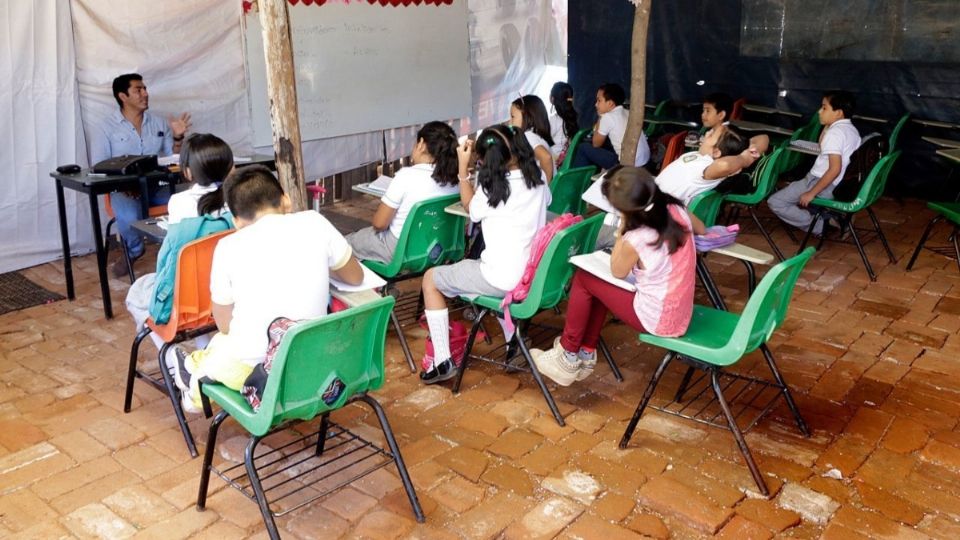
587,154
126,210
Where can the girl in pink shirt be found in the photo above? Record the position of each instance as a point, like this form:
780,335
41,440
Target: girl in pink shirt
654,249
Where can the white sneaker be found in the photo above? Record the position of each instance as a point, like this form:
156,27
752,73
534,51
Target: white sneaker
555,365
587,364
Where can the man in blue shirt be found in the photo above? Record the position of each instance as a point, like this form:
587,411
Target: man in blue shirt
131,130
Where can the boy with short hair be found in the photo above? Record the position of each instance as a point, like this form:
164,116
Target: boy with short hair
837,142
604,148
277,264
716,110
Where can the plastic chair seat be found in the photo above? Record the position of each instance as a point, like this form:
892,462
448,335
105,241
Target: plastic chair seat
949,210
706,338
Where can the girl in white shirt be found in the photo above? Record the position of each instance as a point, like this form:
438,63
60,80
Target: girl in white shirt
529,115
510,202
205,160
564,123
433,174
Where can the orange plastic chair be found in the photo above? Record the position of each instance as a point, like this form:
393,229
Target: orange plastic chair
191,316
155,211
675,147
737,112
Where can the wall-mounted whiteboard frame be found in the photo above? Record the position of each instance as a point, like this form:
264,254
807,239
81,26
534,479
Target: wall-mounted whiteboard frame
364,67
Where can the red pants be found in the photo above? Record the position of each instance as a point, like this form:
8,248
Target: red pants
590,299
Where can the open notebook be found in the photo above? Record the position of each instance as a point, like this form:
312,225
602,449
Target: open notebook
598,264
370,281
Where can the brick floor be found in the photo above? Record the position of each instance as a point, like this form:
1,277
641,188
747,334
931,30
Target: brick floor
873,366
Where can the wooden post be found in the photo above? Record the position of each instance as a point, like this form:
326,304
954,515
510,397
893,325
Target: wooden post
282,91
638,82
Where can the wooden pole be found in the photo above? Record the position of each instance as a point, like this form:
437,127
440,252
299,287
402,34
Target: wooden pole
282,91
638,82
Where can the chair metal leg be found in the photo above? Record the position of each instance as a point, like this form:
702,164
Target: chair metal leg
466,351
322,434
883,239
678,397
174,393
863,254
261,497
106,236
539,378
801,425
647,394
766,235
132,369
737,434
956,246
923,240
605,350
709,285
208,459
751,276
806,237
126,259
403,341
397,458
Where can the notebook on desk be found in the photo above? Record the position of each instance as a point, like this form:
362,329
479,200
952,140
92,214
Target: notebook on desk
809,146
598,264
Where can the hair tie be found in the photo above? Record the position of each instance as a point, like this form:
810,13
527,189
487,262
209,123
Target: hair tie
490,140
512,129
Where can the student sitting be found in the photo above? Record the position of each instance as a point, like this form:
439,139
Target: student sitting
723,152
510,203
837,142
528,114
277,264
655,245
193,213
608,132
716,111
433,174
564,121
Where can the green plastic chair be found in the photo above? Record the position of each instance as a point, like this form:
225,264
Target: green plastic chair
944,210
341,352
870,191
548,289
809,132
894,140
430,237
765,175
566,190
658,111
572,149
717,339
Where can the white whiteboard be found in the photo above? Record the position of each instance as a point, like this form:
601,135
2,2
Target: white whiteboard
364,67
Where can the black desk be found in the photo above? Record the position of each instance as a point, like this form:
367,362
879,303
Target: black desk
94,186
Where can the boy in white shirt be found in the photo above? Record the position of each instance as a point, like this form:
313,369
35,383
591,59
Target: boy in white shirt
837,142
277,264
604,148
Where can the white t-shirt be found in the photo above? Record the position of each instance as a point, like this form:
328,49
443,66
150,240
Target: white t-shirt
183,205
613,124
683,178
409,186
508,230
278,266
557,134
839,138
536,140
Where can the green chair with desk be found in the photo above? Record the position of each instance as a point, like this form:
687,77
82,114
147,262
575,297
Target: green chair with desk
949,211
717,340
765,177
548,288
843,211
320,366
809,132
430,237
572,150
566,190
894,140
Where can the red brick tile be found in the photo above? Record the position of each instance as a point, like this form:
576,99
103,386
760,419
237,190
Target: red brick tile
612,507
942,454
846,454
383,525
589,526
891,506
675,499
905,436
545,458
465,461
514,444
510,478
739,528
649,525
493,515
874,525
458,494
545,520
767,513
869,424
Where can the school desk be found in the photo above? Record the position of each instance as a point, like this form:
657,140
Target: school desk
665,121
942,143
770,110
761,128
936,123
953,154
457,209
367,189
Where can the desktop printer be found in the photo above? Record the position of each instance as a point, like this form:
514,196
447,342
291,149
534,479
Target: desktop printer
124,165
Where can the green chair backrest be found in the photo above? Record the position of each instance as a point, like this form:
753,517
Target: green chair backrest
566,190
706,206
427,226
348,345
765,177
876,182
549,286
658,111
572,149
895,134
766,309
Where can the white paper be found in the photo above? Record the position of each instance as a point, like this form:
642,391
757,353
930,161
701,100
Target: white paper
598,264
166,161
594,196
370,281
242,159
380,185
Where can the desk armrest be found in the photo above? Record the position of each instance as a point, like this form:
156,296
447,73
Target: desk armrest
745,253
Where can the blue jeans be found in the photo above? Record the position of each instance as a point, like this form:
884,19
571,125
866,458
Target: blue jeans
126,210
587,154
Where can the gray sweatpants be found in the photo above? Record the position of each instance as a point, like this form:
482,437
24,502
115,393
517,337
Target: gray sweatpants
370,245
786,203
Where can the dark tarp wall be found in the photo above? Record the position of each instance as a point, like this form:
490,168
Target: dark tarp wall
897,56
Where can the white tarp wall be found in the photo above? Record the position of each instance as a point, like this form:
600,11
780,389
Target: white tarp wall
39,129
191,55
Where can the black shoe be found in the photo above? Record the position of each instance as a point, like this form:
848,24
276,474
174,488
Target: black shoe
119,267
181,376
443,371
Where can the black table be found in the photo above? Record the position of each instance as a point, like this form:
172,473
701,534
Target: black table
94,186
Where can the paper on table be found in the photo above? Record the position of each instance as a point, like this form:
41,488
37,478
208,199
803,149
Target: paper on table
242,159
381,183
598,264
166,161
370,281
594,196
806,145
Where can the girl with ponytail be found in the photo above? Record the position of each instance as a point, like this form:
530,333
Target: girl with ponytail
654,248
433,174
205,160
564,123
509,202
